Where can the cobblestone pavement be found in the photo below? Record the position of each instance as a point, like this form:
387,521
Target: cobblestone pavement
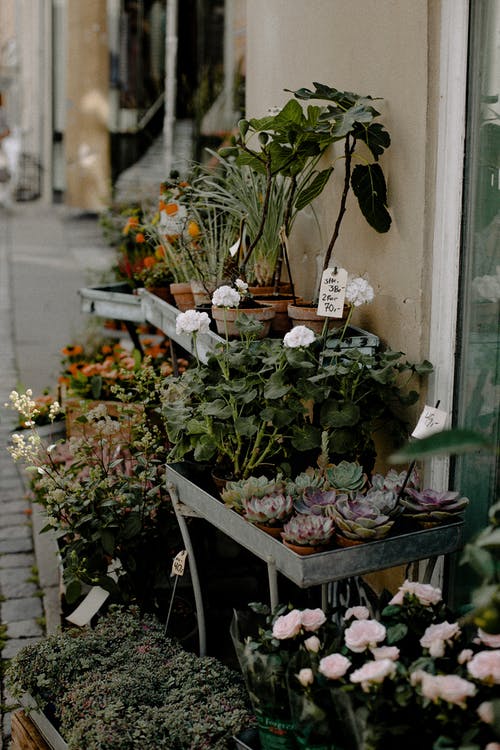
46,254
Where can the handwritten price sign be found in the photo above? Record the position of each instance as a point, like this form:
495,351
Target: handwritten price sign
332,292
179,563
431,420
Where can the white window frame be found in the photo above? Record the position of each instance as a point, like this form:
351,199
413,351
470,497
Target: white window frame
448,212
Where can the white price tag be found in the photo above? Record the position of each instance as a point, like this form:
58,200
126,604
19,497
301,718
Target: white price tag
92,603
431,420
332,292
179,563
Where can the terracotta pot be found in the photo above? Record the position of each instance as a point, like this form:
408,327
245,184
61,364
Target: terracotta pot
281,322
163,292
202,293
302,549
343,541
226,317
183,296
274,531
259,291
307,315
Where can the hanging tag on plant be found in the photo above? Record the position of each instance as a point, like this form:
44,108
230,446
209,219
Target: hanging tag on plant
179,563
85,611
431,420
235,248
332,292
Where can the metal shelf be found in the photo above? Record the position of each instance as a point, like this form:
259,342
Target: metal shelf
115,301
323,567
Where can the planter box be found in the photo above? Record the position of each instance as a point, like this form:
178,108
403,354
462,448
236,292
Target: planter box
322,567
116,301
163,316
33,731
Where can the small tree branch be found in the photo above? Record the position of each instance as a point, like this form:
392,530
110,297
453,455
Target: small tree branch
349,146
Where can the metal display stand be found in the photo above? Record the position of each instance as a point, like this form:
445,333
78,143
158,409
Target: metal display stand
318,569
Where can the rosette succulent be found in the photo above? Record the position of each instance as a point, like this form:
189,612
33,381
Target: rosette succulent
365,517
315,501
236,492
309,480
308,530
347,476
433,506
271,509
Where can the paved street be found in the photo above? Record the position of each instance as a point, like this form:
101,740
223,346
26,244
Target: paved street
46,255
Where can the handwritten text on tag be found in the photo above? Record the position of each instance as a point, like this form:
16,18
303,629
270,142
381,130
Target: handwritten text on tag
332,292
431,420
179,563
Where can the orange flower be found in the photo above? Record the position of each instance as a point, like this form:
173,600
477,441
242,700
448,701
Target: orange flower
72,351
171,208
160,252
106,349
149,261
139,238
132,221
162,206
193,229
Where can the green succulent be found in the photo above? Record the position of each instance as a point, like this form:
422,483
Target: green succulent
308,530
347,476
365,517
237,492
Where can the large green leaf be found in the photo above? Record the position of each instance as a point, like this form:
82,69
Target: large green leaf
335,414
368,184
306,438
446,442
314,189
376,138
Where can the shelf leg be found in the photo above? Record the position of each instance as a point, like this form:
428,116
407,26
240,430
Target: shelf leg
186,538
272,576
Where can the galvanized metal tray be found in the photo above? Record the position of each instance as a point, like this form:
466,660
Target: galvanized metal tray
162,315
115,301
315,569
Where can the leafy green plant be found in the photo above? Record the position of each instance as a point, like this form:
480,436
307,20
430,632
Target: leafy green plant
125,685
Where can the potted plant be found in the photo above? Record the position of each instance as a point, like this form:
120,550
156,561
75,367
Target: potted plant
307,534
232,304
268,512
429,508
236,493
125,683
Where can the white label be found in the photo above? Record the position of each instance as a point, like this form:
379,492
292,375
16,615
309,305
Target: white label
431,420
332,292
179,563
92,603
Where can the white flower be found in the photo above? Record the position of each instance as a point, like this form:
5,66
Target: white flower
359,613
373,672
226,296
192,321
385,652
424,592
437,636
241,286
312,644
358,291
298,336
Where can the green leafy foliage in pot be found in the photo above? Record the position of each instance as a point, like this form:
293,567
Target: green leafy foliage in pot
124,685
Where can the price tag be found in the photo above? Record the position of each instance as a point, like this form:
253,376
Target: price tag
332,292
179,563
431,420
92,603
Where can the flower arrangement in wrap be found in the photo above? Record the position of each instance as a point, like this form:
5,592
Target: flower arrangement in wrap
268,400
364,685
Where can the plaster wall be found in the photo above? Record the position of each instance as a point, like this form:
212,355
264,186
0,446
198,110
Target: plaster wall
87,114
381,48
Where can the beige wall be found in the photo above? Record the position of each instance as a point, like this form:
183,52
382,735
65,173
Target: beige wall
86,136
376,47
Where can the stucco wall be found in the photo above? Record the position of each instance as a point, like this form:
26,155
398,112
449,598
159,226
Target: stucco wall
376,47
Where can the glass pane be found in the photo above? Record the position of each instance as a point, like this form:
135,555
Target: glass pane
477,385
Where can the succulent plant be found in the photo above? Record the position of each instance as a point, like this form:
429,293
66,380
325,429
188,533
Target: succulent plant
394,480
308,530
365,517
271,509
347,476
235,493
310,479
433,506
315,501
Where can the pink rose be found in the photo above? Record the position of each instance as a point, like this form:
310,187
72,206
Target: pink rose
334,666
449,688
313,644
359,613
287,626
489,639
485,666
465,655
363,634
437,636
425,593
312,619
385,652
485,712
373,672
305,677
492,746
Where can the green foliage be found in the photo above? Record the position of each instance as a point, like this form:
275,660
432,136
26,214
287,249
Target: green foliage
125,685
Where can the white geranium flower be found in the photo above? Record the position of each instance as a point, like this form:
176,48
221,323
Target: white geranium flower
192,321
298,336
358,291
241,286
225,296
